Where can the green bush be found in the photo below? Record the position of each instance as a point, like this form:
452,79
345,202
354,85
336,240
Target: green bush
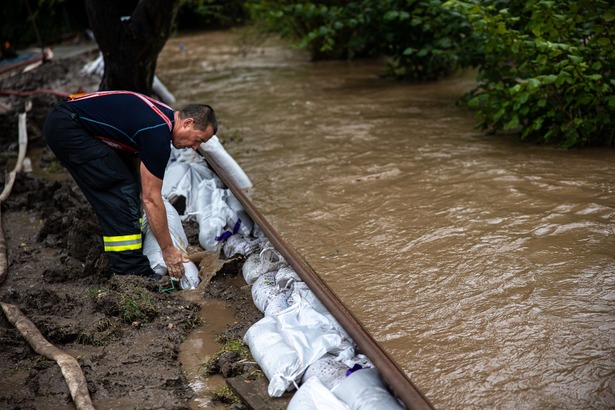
327,29
210,14
545,68
419,36
423,39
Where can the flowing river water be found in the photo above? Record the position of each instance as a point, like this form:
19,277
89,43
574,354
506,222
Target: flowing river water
485,267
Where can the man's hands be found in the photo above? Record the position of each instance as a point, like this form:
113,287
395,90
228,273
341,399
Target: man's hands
174,259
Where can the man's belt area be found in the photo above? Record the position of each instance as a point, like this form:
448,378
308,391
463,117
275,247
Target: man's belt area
62,106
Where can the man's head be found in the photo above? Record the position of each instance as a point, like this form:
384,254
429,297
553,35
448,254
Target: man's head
194,124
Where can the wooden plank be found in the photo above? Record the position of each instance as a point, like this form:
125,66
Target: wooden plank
253,393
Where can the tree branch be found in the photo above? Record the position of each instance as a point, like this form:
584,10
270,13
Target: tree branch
68,365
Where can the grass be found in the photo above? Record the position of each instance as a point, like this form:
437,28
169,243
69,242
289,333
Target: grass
210,365
137,305
224,395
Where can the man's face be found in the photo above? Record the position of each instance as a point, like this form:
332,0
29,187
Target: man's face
186,136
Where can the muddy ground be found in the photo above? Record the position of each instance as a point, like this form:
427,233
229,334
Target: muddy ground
125,332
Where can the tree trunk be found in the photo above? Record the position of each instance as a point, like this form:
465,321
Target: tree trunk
130,35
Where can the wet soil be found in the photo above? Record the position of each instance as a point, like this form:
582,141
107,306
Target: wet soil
124,331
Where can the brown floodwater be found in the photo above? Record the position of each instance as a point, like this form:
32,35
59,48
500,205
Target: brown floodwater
484,266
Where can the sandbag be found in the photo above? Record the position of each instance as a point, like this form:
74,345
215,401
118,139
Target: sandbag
328,370
285,277
364,390
284,345
268,260
301,291
211,214
152,250
264,290
314,395
277,304
214,148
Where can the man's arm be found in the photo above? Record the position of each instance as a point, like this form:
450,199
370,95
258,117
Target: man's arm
151,189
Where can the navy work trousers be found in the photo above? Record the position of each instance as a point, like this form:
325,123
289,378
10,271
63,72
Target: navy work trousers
108,181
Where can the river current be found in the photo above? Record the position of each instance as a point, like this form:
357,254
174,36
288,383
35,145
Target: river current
484,266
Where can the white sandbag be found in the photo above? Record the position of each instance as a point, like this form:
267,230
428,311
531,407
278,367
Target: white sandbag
285,277
191,278
214,148
301,291
328,370
163,92
152,250
239,245
96,67
247,225
274,356
211,214
264,290
364,390
177,181
277,304
184,172
257,264
314,395
284,345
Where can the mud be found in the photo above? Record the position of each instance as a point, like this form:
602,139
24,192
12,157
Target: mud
124,330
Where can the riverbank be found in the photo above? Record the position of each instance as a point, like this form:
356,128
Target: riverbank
125,332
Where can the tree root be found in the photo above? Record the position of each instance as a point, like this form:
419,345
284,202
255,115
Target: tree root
68,365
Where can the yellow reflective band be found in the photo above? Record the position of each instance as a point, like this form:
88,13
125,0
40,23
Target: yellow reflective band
122,243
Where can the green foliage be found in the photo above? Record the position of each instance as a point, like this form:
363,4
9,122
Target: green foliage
211,14
546,68
419,36
327,29
423,38
40,22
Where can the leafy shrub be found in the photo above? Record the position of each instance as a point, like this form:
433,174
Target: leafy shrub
210,14
419,36
327,29
545,68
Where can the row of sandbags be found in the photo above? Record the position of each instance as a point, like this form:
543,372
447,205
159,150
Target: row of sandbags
299,345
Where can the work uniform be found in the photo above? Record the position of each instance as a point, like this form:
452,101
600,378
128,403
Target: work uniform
98,138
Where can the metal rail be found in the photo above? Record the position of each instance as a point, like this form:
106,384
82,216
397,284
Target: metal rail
397,380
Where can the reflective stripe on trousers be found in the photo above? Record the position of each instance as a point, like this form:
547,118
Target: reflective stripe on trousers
123,243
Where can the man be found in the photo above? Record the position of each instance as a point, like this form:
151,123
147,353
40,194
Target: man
116,145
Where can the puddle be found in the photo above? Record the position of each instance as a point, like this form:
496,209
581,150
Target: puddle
200,345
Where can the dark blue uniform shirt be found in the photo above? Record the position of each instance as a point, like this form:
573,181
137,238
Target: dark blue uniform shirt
130,122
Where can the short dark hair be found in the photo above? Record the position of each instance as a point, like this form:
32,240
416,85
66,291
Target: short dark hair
202,114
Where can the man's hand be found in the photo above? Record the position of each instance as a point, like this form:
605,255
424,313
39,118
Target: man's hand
174,259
